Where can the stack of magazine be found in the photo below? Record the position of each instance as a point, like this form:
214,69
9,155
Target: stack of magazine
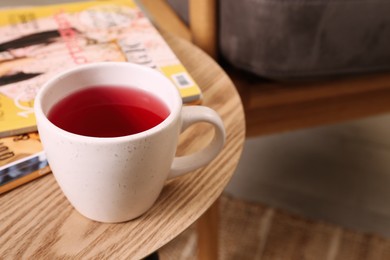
39,42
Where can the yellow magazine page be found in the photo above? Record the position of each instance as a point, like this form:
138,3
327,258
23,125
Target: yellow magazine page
39,42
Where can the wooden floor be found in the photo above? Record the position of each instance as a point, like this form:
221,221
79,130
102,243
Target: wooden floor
251,231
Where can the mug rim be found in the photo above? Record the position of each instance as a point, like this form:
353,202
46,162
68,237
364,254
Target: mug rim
173,111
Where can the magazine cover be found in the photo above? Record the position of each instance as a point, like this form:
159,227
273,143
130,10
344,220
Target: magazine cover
21,160
38,42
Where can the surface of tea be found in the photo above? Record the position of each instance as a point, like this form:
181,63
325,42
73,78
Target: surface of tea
108,111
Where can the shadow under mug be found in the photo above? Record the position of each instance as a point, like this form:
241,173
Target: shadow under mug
116,179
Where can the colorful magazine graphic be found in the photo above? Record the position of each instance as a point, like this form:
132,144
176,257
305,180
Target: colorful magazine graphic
21,160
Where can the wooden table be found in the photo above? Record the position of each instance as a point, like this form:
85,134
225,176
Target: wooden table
38,222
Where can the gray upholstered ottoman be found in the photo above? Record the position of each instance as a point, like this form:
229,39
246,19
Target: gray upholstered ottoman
284,39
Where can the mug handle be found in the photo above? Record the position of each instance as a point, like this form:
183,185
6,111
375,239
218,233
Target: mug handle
196,114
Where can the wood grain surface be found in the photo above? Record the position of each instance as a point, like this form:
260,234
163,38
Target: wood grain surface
37,222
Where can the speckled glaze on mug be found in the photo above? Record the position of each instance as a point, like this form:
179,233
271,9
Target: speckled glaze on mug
117,179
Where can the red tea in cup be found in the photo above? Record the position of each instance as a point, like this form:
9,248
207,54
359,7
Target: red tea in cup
108,111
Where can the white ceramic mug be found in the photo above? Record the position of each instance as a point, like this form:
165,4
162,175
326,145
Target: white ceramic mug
117,179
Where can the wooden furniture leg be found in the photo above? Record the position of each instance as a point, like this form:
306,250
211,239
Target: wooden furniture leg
207,230
203,25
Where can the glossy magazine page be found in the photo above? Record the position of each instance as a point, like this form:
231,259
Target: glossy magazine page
21,160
